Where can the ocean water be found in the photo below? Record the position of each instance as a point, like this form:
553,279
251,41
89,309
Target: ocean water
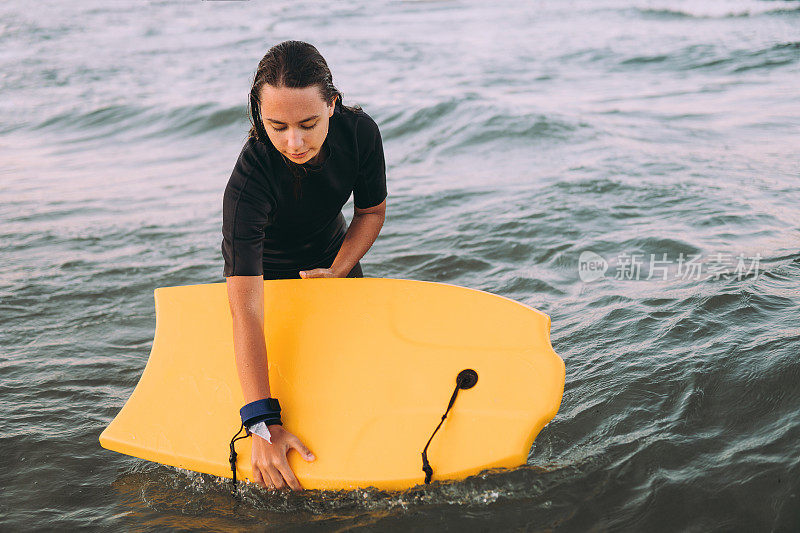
631,168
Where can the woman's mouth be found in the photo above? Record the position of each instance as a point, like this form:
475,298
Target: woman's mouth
298,156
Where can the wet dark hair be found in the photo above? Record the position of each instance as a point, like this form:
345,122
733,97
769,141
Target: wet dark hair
297,65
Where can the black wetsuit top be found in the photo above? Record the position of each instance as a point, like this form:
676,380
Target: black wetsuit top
268,231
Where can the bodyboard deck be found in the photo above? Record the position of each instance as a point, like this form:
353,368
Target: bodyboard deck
364,369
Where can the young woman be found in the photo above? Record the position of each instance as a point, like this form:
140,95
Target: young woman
282,218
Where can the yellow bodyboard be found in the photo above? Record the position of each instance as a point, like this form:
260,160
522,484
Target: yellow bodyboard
364,369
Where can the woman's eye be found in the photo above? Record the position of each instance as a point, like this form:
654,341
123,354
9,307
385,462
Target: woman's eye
304,127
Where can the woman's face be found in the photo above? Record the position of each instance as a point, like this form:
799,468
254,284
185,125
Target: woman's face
296,120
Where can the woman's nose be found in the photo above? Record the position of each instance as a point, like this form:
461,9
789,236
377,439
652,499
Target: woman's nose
295,140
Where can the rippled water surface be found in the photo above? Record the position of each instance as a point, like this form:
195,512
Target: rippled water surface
630,168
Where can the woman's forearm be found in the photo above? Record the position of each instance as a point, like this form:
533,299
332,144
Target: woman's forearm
363,230
246,297
251,357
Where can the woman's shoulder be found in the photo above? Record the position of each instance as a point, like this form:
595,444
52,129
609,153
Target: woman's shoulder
360,125
254,158
358,116
253,168
255,149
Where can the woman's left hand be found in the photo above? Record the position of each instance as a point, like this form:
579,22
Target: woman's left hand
318,273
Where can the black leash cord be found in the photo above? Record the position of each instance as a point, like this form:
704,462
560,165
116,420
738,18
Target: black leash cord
232,457
466,379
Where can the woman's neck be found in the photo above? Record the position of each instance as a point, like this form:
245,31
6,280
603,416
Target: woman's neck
318,159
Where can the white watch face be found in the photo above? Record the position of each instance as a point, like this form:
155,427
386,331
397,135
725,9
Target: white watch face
261,429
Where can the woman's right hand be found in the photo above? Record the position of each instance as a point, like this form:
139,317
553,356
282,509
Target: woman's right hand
270,466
